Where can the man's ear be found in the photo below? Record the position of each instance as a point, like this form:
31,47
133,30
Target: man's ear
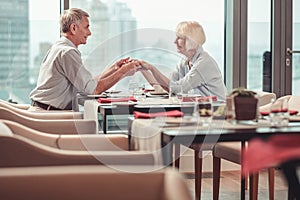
73,28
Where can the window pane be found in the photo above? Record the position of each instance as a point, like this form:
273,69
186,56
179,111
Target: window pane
296,46
144,30
259,27
27,29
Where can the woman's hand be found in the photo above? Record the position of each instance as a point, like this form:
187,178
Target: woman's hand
121,62
145,65
131,67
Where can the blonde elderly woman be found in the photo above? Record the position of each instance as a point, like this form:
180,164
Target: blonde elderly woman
62,74
197,72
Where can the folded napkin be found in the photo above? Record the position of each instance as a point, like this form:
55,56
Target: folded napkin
110,100
173,113
265,113
149,90
200,99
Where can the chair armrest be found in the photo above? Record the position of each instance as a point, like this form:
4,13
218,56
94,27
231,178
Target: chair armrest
57,126
17,151
109,142
91,182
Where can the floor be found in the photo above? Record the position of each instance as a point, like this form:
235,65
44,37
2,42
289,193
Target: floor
230,186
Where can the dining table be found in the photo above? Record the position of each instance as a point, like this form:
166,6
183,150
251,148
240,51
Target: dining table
150,104
161,135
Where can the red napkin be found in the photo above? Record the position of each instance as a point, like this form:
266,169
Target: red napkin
149,90
200,99
110,100
277,149
173,113
265,113
293,112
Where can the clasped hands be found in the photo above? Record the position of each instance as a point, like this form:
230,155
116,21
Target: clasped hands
132,65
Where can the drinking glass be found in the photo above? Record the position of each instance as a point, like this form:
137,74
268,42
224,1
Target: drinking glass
173,97
203,110
139,94
180,94
133,87
230,115
279,113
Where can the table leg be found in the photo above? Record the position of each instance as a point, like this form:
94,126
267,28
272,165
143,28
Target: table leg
253,186
104,124
177,156
243,179
167,150
198,172
289,169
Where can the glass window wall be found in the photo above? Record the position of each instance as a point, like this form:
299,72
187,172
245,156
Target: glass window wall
144,30
259,42
27,29
296,47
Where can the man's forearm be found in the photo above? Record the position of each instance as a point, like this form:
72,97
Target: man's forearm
108,81
108,72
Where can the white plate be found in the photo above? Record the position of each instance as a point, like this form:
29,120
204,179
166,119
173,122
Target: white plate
113,91
151,94
180,120
97,95
294,118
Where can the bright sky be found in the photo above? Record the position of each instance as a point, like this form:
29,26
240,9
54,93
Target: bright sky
148,11
152,10
169,12
43,10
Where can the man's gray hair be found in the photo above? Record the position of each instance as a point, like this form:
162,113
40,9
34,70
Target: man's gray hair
72,15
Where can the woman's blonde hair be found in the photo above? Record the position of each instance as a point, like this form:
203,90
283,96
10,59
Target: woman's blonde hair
193,32
72,15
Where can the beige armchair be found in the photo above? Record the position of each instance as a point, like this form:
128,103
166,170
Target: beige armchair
91,142
264,98
267,107
19,106
22,110
92,183
22,149
56,126
294,103
231,151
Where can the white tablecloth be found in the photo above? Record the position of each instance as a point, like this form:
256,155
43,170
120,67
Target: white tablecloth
146,137
91,111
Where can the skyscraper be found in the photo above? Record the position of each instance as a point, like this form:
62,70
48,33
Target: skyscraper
108,22
14,43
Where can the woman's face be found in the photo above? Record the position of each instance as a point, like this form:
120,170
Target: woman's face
180,42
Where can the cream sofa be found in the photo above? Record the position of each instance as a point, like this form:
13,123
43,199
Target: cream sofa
56,126
22,110
15,105
92,183
92,142
21,146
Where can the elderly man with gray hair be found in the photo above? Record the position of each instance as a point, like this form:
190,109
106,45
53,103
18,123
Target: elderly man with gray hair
197,72
62,74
